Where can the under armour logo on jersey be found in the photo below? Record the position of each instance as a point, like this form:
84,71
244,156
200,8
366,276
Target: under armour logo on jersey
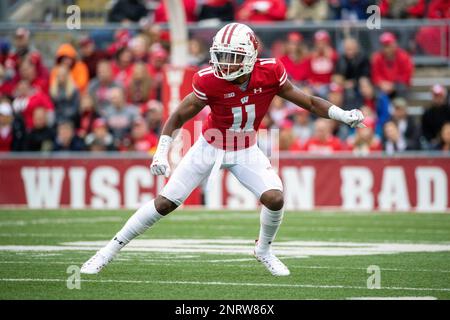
244,100
259,90
229,95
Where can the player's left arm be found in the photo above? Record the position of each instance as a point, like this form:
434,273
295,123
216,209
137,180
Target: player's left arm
319,106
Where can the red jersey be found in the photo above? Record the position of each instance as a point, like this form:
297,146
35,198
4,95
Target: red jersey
236,113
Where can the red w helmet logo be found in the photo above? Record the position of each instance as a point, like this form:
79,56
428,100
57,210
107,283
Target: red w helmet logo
253,39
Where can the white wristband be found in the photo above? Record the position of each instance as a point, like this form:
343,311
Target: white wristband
163,145
336,113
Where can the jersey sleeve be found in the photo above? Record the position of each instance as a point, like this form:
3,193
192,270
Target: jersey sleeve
280,72
198,86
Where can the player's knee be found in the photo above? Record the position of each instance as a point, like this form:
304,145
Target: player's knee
273,199
164,206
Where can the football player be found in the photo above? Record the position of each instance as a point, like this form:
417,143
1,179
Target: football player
238,87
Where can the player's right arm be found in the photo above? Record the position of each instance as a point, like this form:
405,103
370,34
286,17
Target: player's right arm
188,108
319,106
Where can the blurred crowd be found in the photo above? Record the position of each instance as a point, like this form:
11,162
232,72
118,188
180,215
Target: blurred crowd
90,99
377,83
109,99
277,10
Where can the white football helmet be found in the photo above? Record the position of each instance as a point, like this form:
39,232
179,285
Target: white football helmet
234,51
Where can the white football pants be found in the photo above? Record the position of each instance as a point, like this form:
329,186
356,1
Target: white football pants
250,166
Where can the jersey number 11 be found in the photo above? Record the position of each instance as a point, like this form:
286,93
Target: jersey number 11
237,118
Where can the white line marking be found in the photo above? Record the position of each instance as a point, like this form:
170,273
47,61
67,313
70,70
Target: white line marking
243,246
218,283
163,262
392,298
365,268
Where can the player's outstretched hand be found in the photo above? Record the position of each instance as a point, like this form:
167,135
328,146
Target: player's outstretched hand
160,166
354,118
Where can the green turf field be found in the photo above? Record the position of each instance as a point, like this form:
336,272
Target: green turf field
207,255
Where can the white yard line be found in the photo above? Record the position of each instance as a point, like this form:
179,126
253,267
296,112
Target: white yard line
218,283
164,262
285,249
365,268
392,298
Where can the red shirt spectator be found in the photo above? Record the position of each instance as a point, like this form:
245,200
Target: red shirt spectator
320,65
28,99
391,65
323,141
190,7
294,60
262,10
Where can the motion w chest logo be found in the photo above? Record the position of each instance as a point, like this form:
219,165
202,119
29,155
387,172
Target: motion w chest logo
244,100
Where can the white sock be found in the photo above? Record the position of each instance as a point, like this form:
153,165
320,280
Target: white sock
270,223
140,221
